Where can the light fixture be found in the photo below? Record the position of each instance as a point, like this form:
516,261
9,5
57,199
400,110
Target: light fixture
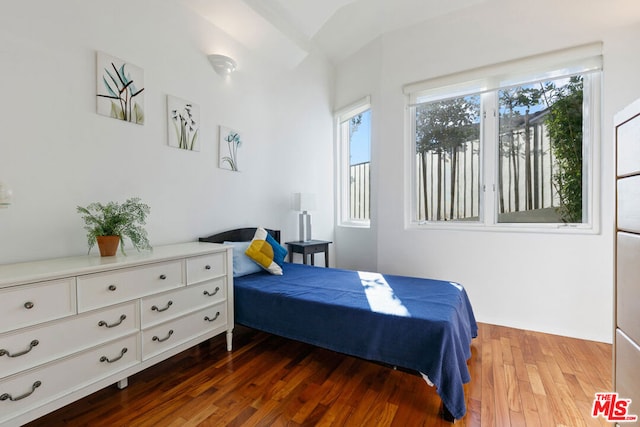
222,64
304,202
5,195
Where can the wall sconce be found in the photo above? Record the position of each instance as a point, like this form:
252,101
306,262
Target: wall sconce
5,195
222,64
304,202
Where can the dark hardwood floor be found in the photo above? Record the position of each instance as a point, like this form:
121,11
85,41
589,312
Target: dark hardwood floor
519,378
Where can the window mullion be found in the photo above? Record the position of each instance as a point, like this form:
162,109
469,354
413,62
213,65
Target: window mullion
489,158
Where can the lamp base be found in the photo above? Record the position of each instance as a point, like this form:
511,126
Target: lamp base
305,226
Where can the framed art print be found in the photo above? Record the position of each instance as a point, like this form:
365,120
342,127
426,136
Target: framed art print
120,89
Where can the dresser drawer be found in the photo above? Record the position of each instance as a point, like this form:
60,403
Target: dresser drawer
161,308
112,287
629,204
39,386
32,346
32,304
627,368
205,267
628,291
162,337
628,147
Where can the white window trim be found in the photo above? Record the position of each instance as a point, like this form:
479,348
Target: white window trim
587,58
342,163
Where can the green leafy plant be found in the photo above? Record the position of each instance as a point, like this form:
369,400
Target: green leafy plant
117,219
565,130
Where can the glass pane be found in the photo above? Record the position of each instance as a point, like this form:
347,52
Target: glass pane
540,152
448,160
359,162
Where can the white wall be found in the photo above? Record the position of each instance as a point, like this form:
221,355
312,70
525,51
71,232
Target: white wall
356,248
556,283
57,153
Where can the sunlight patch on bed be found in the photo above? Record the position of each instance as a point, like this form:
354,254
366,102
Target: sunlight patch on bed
380,295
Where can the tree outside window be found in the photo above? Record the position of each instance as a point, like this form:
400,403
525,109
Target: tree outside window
537,162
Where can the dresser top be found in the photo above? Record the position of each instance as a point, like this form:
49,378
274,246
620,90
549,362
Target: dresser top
49,269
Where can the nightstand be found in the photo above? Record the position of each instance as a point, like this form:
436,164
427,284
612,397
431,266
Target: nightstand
310,247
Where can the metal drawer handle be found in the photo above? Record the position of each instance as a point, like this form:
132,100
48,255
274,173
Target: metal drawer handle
28,305
106,359
155,338
32,344
207,267
112,287
207,293
208,319
103,323
155,307
6,396
163,276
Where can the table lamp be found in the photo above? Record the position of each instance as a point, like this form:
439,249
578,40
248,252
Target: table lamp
304,202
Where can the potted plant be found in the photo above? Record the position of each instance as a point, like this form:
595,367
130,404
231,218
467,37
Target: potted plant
111,222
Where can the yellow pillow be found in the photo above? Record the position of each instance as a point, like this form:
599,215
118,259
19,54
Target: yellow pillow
265,251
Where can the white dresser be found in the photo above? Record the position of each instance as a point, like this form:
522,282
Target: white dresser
71,326
626,368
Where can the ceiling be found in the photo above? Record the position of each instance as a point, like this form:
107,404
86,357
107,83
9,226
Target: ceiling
287,30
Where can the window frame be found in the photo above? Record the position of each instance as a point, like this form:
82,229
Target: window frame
486,81
343,164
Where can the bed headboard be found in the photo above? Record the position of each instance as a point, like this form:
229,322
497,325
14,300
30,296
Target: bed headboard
238,235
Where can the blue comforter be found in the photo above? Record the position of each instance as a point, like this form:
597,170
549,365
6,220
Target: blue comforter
420,324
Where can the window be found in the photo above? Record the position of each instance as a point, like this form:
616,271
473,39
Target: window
447,149
512,149
354,147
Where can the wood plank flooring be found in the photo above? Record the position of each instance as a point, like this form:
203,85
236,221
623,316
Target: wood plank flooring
519,378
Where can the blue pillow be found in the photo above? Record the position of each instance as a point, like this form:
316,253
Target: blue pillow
242,264
267,252
279,252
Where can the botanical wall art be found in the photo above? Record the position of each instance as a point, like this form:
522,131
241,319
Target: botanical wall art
230,141
120,87
184,123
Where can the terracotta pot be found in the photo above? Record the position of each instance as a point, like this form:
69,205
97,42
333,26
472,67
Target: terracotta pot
108,245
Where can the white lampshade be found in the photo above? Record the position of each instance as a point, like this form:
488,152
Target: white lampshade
5,195
304,202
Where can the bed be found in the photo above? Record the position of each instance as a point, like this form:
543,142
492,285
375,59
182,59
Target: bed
418,324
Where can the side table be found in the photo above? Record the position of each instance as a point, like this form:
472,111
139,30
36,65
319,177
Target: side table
310,247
